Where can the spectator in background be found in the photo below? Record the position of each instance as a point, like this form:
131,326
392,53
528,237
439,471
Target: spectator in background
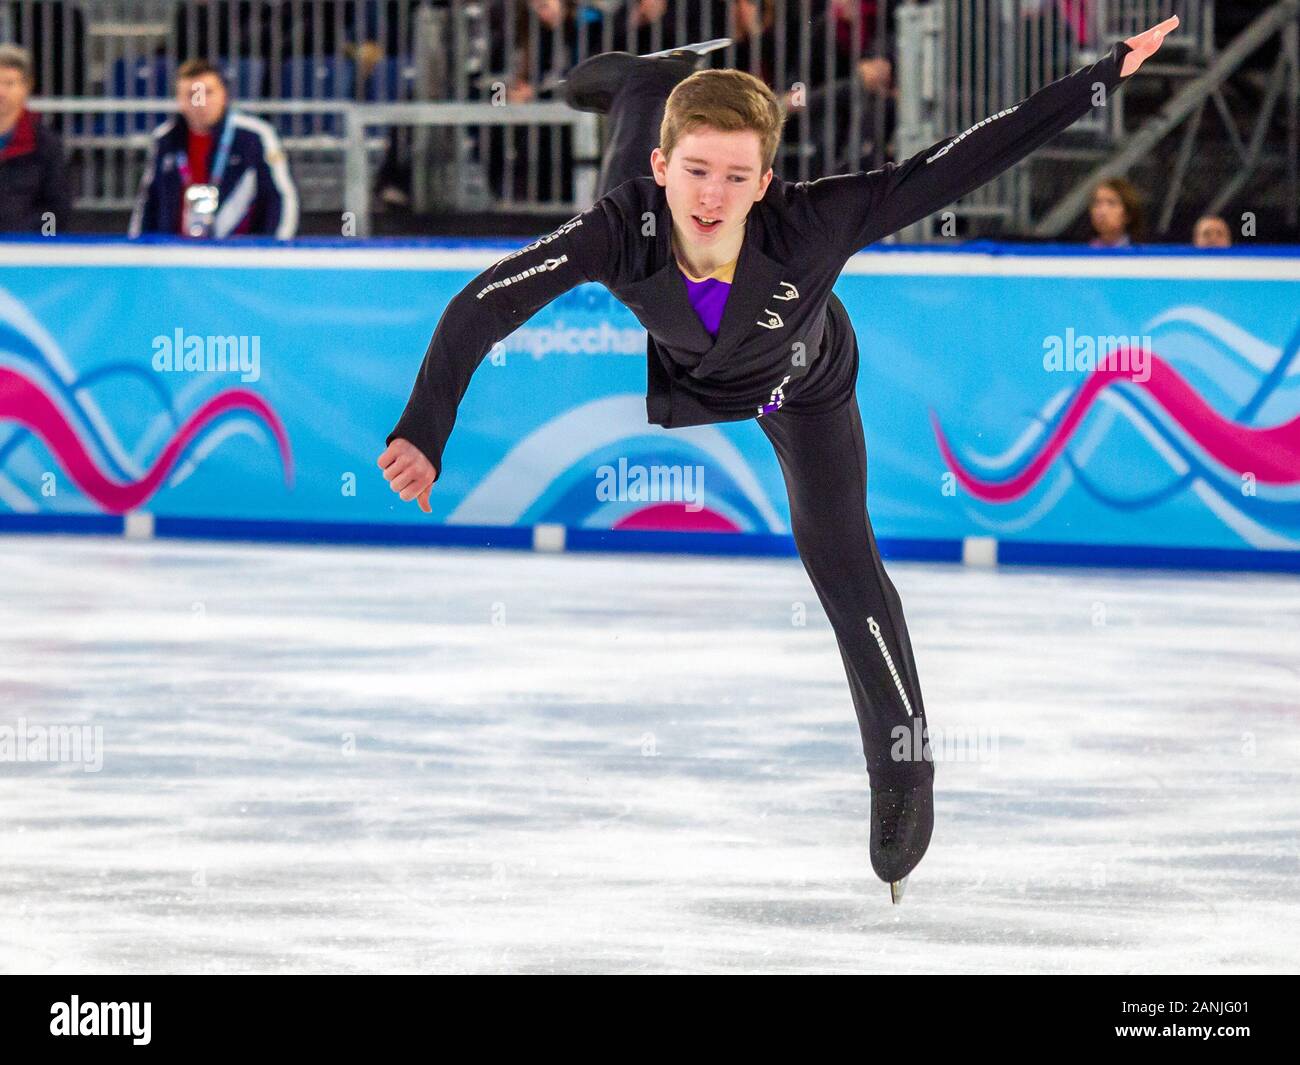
534,58
1115,212
643,26
33,175
212,171
850,52
854,70
753,27
650,28
1211,231
535,68
1060,16
874,76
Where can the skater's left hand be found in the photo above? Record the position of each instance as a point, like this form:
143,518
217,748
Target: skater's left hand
1145,45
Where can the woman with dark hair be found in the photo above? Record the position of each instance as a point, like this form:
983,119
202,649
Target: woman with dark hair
1116,214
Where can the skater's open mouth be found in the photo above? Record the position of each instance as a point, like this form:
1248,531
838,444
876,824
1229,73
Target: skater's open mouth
706,222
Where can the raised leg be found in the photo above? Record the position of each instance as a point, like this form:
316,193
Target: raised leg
631,90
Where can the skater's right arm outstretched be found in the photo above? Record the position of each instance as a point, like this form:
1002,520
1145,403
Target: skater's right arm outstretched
490,308
861,208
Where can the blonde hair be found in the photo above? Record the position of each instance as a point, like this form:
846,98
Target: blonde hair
725,100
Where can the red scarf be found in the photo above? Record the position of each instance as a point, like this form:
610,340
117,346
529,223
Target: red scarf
22,138
198,150
198,153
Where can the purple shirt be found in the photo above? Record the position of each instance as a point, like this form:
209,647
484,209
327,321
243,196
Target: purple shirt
708,295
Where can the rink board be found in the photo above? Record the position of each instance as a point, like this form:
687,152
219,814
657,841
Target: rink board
1022,404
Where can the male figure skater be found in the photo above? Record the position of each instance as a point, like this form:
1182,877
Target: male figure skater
730,269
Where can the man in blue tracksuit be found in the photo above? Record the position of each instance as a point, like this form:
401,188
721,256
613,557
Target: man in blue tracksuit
214,172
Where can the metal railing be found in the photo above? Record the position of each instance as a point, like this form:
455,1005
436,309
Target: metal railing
130,50
962,60
824,57
275,48
1279,19
356,149
502,52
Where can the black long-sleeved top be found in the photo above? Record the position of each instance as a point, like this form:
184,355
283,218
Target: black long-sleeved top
33,178
797,239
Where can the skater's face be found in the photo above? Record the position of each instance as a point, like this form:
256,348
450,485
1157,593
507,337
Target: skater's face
712,177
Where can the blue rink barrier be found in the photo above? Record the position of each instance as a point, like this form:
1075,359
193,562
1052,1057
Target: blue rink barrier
1022,405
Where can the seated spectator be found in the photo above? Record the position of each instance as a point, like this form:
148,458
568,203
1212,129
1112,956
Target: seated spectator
855,72
33,176
642,27
874,75
212,171
1211,231
848,51
537,67
1115,212
1056,20
534,56
753,29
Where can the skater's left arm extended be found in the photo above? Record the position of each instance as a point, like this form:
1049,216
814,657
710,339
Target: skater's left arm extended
858,209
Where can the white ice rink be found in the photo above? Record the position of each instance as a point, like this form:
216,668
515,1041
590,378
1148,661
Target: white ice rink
361,760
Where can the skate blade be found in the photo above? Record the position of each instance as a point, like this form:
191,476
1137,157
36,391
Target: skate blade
699,48
896,890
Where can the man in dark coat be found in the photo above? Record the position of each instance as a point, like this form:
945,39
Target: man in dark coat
34,195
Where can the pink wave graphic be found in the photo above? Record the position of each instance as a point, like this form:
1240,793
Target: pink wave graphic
675,517
26,403
1272,454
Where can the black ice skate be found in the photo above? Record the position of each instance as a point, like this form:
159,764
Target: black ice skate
901,825
591,85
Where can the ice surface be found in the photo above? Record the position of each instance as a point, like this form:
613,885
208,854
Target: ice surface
355,759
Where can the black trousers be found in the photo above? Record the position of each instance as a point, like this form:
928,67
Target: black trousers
819,443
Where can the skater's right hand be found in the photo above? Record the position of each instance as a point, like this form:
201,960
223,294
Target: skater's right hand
408,472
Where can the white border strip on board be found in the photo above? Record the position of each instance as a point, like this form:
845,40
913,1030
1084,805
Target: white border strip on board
265,257
936,264
979,551
137,525
549,537
1168,267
